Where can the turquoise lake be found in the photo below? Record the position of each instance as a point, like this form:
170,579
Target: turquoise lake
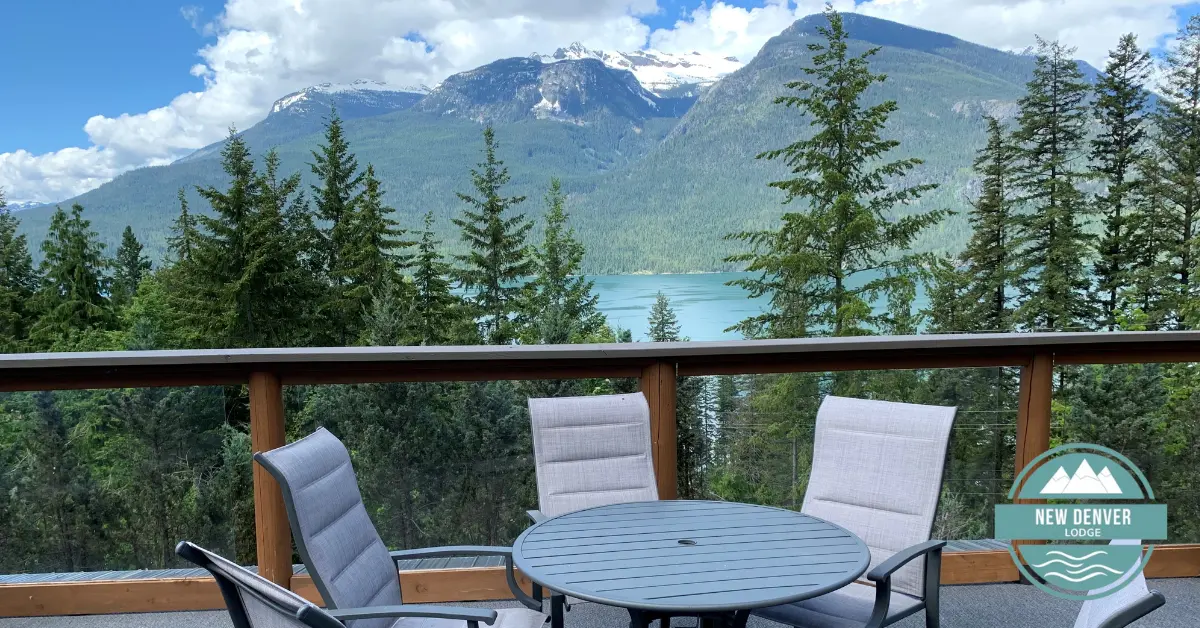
703,303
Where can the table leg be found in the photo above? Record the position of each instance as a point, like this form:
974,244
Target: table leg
556,610
638,619
739,619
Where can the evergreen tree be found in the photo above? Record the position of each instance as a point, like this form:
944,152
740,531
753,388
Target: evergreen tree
1152,287
498,260
17,282
1053,282
73,297
991,255
373,255
1117,150
182,242
664,325
1178,121
129,269
812,267
336,169
434,305
562,306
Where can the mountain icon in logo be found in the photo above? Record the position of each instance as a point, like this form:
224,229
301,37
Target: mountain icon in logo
1084,482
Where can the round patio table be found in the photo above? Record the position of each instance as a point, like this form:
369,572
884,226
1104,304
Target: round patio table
712,560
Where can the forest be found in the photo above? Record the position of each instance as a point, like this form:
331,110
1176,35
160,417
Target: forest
1084,217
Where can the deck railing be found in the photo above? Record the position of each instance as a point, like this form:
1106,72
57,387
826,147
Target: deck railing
656,365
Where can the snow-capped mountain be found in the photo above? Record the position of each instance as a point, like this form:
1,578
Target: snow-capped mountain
368,96
659,72
1085,481
17,206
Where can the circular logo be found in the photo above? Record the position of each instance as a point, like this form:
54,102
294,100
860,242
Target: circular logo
1079,517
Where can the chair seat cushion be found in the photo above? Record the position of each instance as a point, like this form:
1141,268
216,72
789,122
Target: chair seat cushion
505,618
848,607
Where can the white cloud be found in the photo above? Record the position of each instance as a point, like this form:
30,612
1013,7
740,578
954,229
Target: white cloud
263,49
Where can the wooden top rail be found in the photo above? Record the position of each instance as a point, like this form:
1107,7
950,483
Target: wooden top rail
121,369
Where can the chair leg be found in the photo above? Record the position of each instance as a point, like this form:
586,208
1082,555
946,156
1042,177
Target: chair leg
933,586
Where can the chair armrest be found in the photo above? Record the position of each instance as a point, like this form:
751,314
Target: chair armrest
485,615
536,516
899,559
450,550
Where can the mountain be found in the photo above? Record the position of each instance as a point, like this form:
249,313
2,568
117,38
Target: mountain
663,73
1057,483
654,182
577,91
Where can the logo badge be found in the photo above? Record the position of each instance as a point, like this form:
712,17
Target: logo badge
1082,538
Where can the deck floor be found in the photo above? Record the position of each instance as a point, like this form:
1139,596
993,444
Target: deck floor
974,606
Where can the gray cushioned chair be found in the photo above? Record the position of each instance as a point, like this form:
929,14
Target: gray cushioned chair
591,451
255,602
1133,602
877,471
339,545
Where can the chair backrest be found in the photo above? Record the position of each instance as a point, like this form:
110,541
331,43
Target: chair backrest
877,471
347,560
592,451
1117,610
254,601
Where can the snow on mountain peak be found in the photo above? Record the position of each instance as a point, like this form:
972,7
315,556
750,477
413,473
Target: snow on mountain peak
1085,481
657,71
358,86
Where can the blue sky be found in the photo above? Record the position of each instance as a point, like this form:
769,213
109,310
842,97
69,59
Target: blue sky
126,65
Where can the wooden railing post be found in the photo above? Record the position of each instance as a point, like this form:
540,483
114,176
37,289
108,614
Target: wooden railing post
658,384
1033,410
271,529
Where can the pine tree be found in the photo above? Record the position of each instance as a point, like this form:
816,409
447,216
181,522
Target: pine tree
664,325
17,282
1053,282
130,267
812,266
73,296
337,170
990,257
1153,289
434,304
1178,121
373,254
562,306
1118,148
182,242
498,260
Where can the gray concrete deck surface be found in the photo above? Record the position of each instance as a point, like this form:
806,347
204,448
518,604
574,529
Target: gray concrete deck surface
975,606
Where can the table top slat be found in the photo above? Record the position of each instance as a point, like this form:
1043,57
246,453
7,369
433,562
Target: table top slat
690,556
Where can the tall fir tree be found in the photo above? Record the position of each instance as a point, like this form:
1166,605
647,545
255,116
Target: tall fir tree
825,264
991,256
664,324
1053,281
373,254
336,170
1178,121
495,267
1153,288
182,241
73,298
129,268
18,282
562,306
1117,150
434,304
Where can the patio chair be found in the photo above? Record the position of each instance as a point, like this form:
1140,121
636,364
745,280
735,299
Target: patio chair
255,602
1134,601
591,451
339,545
877,471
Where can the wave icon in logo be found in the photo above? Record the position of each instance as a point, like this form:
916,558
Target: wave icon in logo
1076,568
1085,481
1080,568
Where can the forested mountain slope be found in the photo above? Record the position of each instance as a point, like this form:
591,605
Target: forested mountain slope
649,190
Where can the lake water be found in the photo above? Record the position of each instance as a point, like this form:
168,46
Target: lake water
703,303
